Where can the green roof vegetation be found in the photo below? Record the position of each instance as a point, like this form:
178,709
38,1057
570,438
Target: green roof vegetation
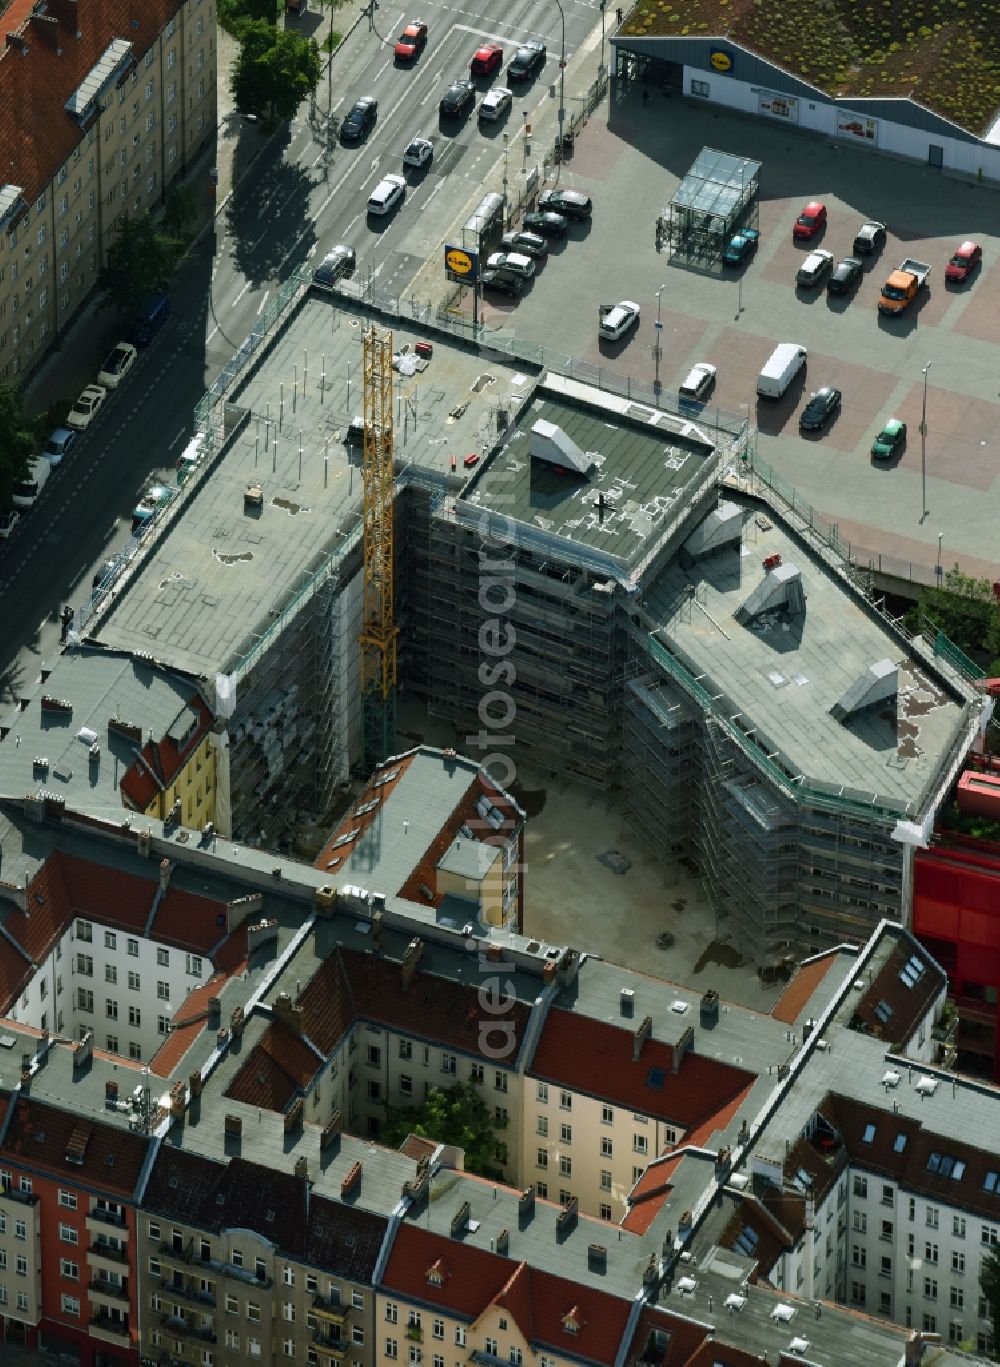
943,53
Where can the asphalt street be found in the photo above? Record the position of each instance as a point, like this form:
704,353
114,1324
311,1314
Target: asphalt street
305,193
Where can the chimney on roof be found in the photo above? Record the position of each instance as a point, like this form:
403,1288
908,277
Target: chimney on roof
195,1083
378,920
526,1205
302,1166
650,1273
352,1180
640,1037
503,1243
325,900
567,1218
460,1220
166,868
293,1117
233,1126
240,908
330,1131
414,952
685,1043
143,841
626,1001
236,1022
177,1096
288,1013
84,1051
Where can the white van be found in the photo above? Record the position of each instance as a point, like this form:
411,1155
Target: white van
27,490
784,363
386,195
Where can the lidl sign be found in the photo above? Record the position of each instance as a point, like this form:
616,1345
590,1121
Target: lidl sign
721,59
460,263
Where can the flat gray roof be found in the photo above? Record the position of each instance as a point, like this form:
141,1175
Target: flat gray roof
645,464
782,674
217,573
99,686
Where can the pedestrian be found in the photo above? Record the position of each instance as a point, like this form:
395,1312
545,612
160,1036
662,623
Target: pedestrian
618,14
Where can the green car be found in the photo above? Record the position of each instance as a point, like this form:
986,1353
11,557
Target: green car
891,439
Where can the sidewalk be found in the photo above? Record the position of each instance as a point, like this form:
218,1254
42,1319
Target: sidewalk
70,365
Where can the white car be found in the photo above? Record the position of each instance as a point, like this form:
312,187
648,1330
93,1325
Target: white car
386,195
87,406
419,154
514,263
496,103
698,384
617,319
117,365
814,267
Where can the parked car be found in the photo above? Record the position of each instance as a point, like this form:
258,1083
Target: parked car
820,409
511,262
87,407
527,61
419,153
457,100
814,267
411,42
963,263
496,105
387,194
149,505
870,239
617,319
117,365
148,318
108,572
530,244
846,275
740,246
891,439
512,285
698,383
59,444
903,286
809,221
359,120
569,203
471,460
334,266
486,59
9,518
548,224
26,490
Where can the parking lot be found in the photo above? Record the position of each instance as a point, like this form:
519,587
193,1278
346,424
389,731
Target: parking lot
632,164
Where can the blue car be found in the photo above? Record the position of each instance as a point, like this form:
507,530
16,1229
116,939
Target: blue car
740,246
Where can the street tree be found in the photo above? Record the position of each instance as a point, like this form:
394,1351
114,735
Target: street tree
989,1285
234,14
142,258
274,72
180,212
965,608
18,439
456,1115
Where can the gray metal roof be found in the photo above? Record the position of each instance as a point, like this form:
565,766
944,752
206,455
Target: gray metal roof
219,574
115,56
467,857
783,674
101,686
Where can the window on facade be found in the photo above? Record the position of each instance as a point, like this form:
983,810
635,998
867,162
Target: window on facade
565,1101
162,957
132,945
134,1016
84,931
448,1063
542,1091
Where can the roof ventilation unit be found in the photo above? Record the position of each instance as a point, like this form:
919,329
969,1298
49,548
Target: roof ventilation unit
781,588
550,443
878,683
722,527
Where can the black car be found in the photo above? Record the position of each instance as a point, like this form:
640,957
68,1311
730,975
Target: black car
340,262
569,203
457,100
870,239
845,276
360,119
548,224
821,407
512,285
526,61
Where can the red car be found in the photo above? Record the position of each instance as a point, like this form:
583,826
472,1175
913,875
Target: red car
964,262
486,60
470,461
809,221
412,41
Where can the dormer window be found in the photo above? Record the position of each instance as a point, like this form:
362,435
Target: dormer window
571,1321
436,1274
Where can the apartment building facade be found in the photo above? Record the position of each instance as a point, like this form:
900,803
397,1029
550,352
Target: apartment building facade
127,99
239,1263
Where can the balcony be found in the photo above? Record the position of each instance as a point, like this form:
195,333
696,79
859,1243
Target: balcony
183,1254
99,1221
100,1251
331,1310
414,1333
102,1288
111,1329
333,1348
187,1290
176,1324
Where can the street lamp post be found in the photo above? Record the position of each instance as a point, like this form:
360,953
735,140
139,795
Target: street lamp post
600,68
657,348
562,82
938,569
923,449
506,141
524,163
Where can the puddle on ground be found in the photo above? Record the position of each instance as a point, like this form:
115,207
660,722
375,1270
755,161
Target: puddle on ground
726,956
225,558
288,506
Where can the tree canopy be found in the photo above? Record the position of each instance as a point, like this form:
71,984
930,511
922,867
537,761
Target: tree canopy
18,439
274,71
966,610
989,1284
142,258
233,14
456,1115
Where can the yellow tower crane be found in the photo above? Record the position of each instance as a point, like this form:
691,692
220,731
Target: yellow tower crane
378,635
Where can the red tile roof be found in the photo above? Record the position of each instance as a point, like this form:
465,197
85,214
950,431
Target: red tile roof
39,73
15,971
186,1025
684,1337
164,758
796,995
715,1354
475,1279
595,1058
189,920
279,1067
47,913
40,1135
108,895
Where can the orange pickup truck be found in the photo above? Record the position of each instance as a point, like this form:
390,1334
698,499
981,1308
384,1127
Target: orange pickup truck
903,286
